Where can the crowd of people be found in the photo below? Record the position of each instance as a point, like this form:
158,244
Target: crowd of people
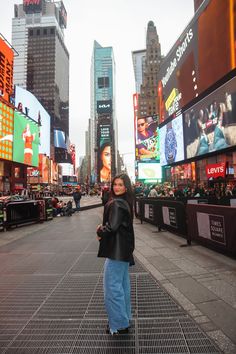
217,190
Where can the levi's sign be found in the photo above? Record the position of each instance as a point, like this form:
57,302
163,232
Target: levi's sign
216,170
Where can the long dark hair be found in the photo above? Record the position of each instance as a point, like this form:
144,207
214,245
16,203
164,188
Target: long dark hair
128,195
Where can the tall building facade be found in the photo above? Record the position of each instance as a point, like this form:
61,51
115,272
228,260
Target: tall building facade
42,63
148,90
138,58
102,128
146,64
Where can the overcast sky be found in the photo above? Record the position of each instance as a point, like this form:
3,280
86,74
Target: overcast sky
121,24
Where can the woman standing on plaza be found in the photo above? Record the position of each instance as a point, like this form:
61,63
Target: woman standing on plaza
116,237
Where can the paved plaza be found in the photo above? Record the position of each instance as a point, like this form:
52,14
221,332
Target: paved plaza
51,297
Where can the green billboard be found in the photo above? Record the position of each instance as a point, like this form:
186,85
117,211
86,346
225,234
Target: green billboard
25,140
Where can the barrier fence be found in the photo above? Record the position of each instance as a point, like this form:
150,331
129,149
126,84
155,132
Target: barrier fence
194,219
17,212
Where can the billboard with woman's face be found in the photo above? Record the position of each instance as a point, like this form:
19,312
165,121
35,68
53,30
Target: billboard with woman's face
25,141
203,54
104,152
210,125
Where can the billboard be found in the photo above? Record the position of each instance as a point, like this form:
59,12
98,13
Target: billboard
25,141
27,103
60,139
203,54
32,6
149,171
147,138
40,174
62,147
104,152
172,141
63,16
62,156
210,125
104,106
73,154
6,131
6,70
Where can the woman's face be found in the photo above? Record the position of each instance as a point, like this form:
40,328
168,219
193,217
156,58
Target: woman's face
106,157
118,186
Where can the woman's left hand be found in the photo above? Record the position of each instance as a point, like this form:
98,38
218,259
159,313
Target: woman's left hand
99,226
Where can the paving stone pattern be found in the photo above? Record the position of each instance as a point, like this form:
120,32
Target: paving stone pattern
51,298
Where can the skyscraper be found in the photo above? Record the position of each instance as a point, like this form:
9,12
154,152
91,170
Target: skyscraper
42,63
103,108
148,90
138,57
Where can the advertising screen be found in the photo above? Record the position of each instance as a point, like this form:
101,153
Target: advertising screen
104,152
147,138
31,6
27,103
104,106
210,125
60,139
172,141
203,54
6,70
25,141
63,16
150,171
6,131
62,156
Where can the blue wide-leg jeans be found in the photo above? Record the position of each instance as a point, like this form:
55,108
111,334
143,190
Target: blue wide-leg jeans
116,285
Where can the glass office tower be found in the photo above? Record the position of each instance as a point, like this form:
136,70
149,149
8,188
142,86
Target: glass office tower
103,112
42,63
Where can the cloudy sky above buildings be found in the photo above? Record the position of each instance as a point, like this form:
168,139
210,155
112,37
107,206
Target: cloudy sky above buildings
121,24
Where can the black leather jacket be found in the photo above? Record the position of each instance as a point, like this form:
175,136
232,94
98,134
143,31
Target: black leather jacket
117,233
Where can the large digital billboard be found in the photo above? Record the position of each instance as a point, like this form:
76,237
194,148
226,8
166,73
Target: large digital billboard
62,147
40,174
210,125
63,16
6,70
147,138
104,134
202,55
149,171
104,106
6,131
172,141
60,139
32,6
25,140
27,103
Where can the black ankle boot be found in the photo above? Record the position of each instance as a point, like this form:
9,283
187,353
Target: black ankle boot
121,331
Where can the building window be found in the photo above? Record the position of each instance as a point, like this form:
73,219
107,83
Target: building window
103,82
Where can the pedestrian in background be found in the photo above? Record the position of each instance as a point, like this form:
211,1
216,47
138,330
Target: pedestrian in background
116,237
77,197
105,195
153,192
